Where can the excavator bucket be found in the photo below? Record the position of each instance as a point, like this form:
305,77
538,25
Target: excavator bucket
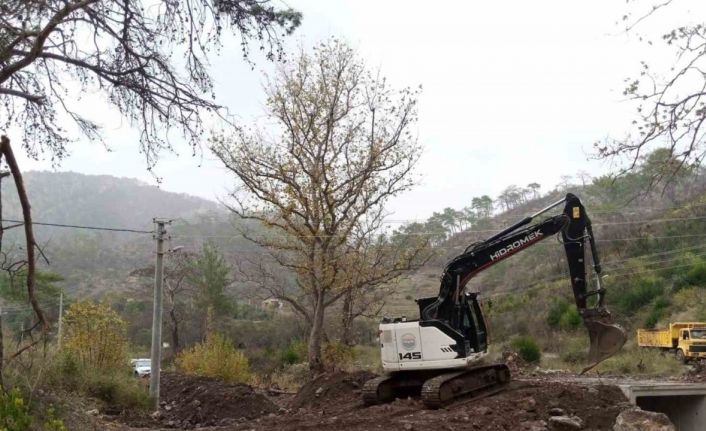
606,337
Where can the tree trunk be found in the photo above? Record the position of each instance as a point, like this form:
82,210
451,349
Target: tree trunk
175,331
347,319
316,365
208,322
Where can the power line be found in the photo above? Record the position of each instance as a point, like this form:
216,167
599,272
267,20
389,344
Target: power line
73,226
666,220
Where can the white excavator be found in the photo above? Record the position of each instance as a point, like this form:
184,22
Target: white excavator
441,355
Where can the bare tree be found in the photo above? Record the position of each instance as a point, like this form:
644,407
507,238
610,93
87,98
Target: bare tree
372,270
670,103
51,50
344,147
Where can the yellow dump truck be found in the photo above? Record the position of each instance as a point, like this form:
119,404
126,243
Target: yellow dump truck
686,339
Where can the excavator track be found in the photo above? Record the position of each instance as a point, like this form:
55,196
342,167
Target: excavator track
475,382
437,389
378,390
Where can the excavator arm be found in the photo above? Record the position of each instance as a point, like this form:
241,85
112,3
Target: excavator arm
574,225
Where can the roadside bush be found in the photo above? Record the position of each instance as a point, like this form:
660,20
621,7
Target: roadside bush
95,336
14,413
117,389
216,357
116,386
527,348
93,359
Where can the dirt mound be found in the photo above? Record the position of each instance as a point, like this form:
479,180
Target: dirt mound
515,363
331,389
191,401
525,405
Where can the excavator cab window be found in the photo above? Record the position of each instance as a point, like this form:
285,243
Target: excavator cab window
473,325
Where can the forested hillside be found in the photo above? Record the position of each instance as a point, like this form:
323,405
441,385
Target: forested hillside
94,261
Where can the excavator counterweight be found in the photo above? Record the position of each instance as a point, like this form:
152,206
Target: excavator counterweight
441,355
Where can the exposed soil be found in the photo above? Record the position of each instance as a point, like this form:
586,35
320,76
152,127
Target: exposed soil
331,391
332,401
191,401
526,404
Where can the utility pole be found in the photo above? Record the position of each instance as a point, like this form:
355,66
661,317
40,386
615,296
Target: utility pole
156,358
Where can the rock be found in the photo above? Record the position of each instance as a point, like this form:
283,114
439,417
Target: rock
593,391
157,415
196,403
556,411
319,391
533,426
408,427
636,419
527,404
565,423
168,407
483,410
92,412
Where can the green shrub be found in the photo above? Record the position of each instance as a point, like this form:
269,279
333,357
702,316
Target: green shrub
216,357
14,413
571,319
527,348
120,390
52,422
696,275
294,353
657,311
556,310
640,292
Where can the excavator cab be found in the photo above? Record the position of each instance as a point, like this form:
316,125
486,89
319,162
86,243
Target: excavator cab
465,318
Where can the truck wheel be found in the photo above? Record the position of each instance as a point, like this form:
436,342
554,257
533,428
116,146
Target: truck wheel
681,357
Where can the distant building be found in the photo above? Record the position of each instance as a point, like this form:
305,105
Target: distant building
272,304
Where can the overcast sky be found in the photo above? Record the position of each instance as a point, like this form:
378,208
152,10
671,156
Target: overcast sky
513,92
